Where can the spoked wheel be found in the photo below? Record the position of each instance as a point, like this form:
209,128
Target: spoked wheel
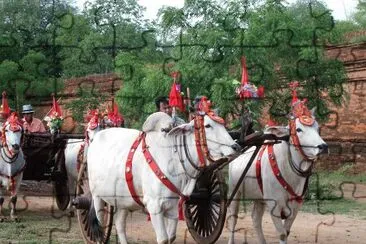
82,203
60,183
205,211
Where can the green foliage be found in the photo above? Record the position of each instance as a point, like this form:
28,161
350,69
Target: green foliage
214,35
142,84
341,29
85,101
287,36
29,70
360,15
356,23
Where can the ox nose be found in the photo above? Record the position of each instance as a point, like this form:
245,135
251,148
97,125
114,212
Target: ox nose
236,147
323,148
16,146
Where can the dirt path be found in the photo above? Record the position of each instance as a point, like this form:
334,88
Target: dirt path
308,228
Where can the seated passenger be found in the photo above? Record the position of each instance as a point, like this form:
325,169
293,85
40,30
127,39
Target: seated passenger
30,123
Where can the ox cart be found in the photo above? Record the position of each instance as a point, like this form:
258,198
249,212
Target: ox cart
45,161
205,210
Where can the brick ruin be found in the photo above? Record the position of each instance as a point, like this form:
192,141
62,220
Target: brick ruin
96,84
346,131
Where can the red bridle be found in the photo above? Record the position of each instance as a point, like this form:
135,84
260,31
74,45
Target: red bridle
294,140
92,125
14,126
200,137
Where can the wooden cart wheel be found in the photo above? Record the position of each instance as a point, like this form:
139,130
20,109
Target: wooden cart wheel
205,211
60,183
83,197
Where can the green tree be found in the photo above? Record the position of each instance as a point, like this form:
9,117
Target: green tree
107,35
281,43
27,29
360,15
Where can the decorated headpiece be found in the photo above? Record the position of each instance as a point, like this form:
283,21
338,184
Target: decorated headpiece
247,89
204,107
55,110
114,116
93,118
299,108
175,97
14,122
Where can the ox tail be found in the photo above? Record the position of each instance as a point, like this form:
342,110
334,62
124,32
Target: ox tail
95,229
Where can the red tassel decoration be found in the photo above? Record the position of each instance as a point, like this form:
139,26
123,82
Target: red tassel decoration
180,209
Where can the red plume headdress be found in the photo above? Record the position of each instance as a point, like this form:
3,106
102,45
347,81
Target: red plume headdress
204,106
5,109
299,108
93,118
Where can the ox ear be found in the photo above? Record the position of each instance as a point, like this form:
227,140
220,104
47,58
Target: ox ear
180,129
278,131
313,110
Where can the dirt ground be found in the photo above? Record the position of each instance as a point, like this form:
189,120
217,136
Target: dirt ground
307,228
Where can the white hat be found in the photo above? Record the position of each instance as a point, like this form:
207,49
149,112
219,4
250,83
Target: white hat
27,109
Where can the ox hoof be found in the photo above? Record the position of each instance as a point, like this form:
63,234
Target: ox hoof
2,219
72,213
163,242
171,240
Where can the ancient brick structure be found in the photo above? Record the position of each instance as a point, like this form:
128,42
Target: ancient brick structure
97,84
346,131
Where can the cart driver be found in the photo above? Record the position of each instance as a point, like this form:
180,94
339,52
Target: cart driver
30,123
162,105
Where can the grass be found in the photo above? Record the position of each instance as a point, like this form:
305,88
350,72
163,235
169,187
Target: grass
347,207
39,227
325,195
46,226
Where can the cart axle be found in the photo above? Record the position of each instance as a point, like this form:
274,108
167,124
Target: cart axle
81,203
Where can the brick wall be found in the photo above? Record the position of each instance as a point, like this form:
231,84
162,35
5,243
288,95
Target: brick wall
346,131
106,84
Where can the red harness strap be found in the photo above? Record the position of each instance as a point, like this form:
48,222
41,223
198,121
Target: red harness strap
200,142
258,168
161,176
11,178
155,168
128,170
276,171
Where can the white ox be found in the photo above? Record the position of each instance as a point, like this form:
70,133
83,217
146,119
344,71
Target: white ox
107,157
75,151
12,163
294,169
